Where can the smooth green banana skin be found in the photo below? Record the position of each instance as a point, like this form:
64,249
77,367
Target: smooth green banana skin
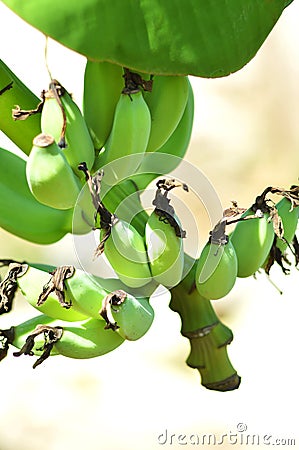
216,270
31,285
126,252
134,317
128,138
21,132
168,156
87,339
50,178
166,103
290,222
79,145
103,83
165,251
252,240
20,213
80,340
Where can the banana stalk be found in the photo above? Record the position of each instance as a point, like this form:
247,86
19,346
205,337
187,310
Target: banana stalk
207,335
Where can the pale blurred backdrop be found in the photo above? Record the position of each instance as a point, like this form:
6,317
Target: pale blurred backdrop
245,138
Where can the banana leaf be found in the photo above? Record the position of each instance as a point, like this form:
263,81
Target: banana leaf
207,38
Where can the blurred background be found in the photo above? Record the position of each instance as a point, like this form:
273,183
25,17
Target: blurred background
245,138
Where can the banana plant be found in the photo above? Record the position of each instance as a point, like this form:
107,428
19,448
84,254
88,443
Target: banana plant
82,170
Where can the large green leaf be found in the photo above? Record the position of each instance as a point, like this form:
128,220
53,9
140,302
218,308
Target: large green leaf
208,38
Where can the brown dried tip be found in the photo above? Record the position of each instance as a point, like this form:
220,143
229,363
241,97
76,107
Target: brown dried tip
51,336
56,285
115,298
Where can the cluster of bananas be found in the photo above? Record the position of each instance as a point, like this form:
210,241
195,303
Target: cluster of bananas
80,315
45,195
262,236
84,171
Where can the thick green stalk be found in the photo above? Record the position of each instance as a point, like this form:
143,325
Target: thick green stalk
207,335
12,93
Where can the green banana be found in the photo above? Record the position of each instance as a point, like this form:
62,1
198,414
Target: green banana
217,269
252,238
103,83
126,252
166,103
131,317
12,94
165,250
43,336
50,178
169,155
20,213
33,282
289,218
128,138
62,119
163,236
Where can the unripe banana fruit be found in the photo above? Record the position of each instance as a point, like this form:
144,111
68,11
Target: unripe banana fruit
289,217
163,236
103,83
166,103
129,316
129,137
87,339
165,251
126,252
44,337
216,270
252,240
31,283
50,178
62,119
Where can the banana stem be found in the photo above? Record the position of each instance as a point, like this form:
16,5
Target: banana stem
207,335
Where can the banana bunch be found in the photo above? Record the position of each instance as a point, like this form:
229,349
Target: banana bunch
81,315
